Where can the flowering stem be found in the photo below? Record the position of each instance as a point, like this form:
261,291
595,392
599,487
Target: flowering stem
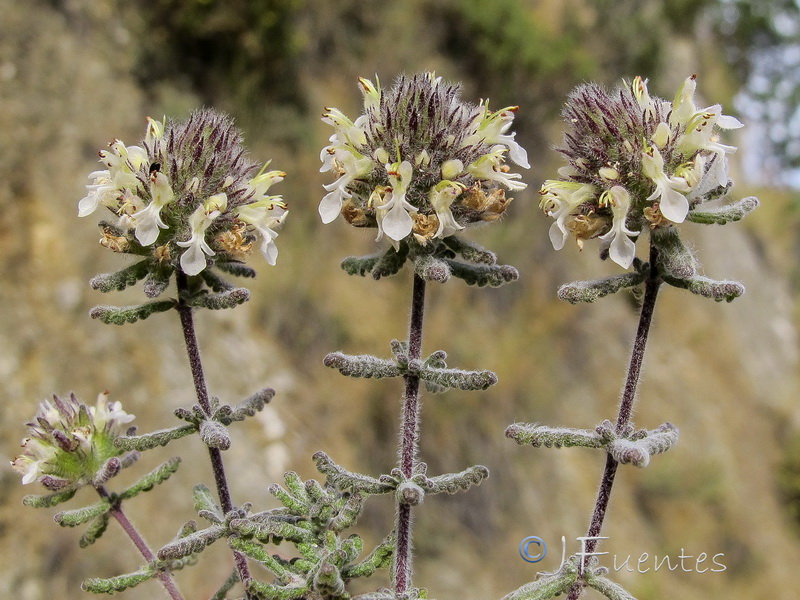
196,365
624,414
165,577
409,438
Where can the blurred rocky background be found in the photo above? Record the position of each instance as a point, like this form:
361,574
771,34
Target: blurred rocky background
75,74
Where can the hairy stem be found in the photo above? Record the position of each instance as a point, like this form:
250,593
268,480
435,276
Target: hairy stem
623,415
165,577
409,439
215,455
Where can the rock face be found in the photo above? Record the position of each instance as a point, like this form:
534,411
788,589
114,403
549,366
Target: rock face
726,375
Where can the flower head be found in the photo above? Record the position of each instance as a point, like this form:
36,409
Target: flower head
414,162
71,444
636,163
179,196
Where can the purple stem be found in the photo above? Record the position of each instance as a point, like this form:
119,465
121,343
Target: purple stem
196,365
624,414
165,577
409,439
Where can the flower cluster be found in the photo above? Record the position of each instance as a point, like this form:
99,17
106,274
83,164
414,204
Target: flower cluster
419,161
185,194
635,163
72,444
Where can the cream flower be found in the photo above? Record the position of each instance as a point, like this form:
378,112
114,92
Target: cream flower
395,220
488,166
265,216
559,201
193,260
441,198
669,190
491,130
621,248
149,221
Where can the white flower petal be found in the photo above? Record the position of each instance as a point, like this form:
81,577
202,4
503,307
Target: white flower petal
673,205
331,206
193,260
397,223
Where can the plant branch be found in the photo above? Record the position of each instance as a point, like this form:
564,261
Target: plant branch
165,577
215,455
409,439
652,285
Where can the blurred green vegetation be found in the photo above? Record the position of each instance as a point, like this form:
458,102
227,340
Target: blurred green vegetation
76,73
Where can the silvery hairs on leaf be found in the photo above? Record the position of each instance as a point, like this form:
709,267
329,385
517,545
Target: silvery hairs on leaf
420,165
638,163
185,199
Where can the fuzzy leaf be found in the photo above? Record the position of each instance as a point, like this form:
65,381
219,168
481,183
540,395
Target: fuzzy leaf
157,282
258,553
204,500
222,592
249,407
639,451
382,594
541,435
458,379
359,265
363,365
276,592
119,583
727,213
271,528
483,275
220,300
379,558
708,288
236,268
153,478
348,513
674,260
469,251
119,315
121,279
451,483
215,282
150,440
589,291
328,582
609,589
79,516
347,480
297,501
107,470
48,500
192,543
545,587
96,529
390,263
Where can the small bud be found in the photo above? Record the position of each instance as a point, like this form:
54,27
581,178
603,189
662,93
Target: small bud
215,435
410,493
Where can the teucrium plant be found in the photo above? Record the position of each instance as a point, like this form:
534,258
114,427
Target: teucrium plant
420,165
636,164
